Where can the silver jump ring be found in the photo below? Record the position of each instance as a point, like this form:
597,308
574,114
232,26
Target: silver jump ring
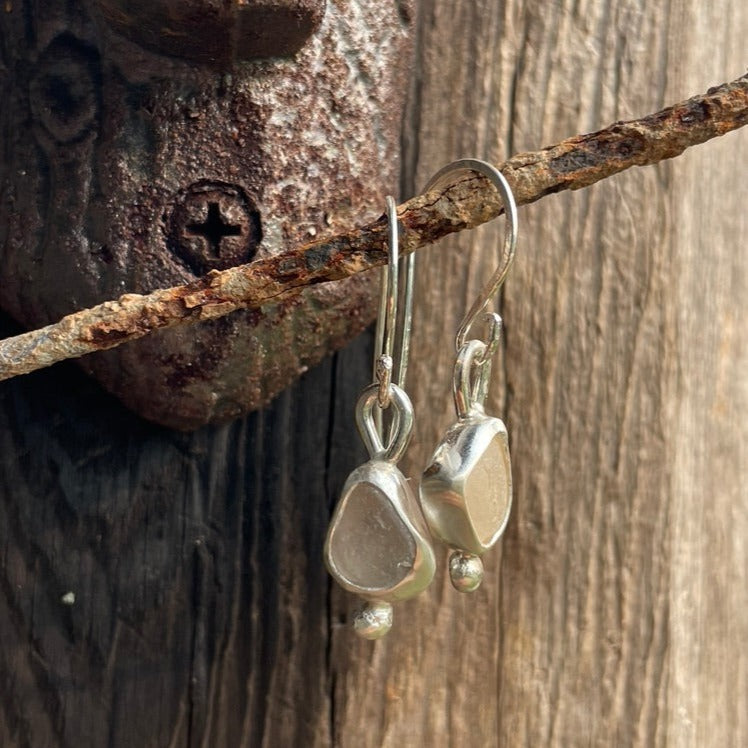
471,377
402,423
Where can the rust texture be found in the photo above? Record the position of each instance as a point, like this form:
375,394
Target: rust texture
145,144
572,164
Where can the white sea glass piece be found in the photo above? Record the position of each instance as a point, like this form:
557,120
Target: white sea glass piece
486,495
373,548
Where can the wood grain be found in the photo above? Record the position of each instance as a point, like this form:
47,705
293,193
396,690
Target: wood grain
615,612
201,612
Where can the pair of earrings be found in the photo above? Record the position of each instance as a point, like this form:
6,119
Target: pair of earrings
379,541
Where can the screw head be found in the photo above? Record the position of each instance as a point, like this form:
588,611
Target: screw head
214,226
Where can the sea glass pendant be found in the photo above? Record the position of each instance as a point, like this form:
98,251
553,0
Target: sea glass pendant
378,542
466,490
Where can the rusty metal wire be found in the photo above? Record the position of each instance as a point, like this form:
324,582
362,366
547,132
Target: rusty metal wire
569,165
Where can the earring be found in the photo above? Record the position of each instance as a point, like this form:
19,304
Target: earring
378,544
466,491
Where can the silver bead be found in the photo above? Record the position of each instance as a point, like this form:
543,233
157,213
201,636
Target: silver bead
374,621
465,571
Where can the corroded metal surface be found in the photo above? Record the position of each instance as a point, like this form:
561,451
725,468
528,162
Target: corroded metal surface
214,31
153,165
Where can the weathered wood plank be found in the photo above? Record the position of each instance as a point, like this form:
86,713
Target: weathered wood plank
616,610
201,613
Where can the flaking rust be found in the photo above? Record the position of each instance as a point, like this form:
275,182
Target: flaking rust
153,157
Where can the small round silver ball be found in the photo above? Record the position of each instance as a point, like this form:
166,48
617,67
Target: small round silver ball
374,621
465,571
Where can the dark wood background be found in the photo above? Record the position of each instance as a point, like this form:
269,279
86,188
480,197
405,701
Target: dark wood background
202,611
616,610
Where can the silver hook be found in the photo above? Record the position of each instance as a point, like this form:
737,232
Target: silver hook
387,321
510,235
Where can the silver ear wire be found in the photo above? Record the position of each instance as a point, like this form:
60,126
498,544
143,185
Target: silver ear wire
395,315
491,289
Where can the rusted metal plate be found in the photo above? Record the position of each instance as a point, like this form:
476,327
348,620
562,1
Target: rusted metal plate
213,31
154,164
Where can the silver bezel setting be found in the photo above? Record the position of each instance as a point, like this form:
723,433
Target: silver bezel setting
385,477
444,483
